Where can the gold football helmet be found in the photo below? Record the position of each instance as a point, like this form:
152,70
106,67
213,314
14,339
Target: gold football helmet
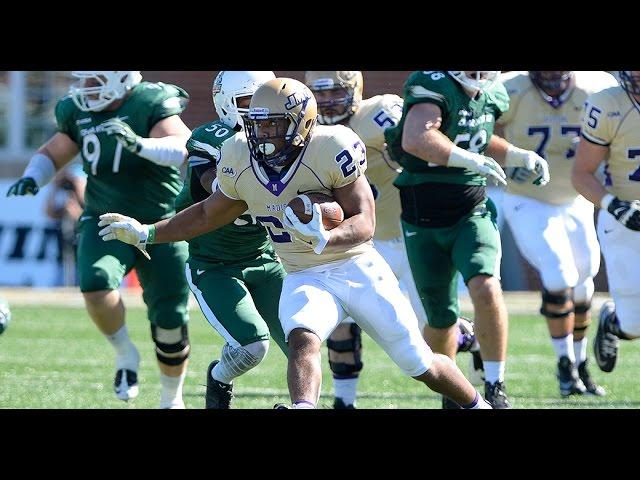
338,94
281,116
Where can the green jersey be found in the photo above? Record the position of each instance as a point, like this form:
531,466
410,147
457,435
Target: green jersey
118,180
238,242
467,122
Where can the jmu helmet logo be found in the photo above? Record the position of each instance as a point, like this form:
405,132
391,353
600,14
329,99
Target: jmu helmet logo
295,99
217,83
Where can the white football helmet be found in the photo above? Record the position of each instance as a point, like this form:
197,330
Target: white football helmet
482,80
228,86
106,88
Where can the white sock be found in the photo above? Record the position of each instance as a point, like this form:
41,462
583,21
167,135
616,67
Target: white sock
345,388
580,350
564,347
171,390
221,374
303,404
127,355
478,403
493,371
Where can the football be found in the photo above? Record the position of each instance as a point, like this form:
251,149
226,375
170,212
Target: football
332,213
5,315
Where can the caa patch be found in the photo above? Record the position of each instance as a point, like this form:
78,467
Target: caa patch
228,171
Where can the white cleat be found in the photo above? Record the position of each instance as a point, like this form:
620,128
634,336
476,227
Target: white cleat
126,384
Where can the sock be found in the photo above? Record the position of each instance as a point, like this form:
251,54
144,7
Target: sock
221,374
126,353
580,350
564,346
171,390
478,404
303,404
345,388
493,371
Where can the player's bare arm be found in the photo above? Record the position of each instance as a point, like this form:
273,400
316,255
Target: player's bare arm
421,136
589,156
50,157
359,225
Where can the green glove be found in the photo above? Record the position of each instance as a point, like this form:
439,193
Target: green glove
24,186
122,132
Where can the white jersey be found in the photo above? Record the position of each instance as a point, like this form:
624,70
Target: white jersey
535,123
333,157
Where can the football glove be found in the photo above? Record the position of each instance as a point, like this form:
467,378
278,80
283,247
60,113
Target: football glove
627,213
125,229
122,132
485,166
518,157
312,233
24,186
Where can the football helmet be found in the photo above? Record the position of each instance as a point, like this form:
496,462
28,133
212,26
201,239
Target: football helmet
476,81
552,81
348,86
281,117
630,81
228,86
103,88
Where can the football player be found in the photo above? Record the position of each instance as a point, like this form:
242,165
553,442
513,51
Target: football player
132,141
611,134
339,98
330,274
233,272
446,146
553,226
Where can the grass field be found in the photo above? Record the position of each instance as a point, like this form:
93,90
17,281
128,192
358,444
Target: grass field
54,357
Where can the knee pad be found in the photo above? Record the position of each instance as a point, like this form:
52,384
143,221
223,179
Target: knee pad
549,298
236,361
352,345
583,293
172,345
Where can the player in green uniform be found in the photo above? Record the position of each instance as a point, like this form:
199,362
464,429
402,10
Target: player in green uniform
132,142
233,272
446,146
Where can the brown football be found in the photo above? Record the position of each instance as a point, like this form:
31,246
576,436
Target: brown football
332,213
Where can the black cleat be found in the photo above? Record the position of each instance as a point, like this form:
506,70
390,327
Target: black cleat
448,404
592,387
218,394
125,384
570,383
605,344
494,393
281,406
338,404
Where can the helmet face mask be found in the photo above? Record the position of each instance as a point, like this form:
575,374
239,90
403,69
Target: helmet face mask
229,87
338,94
281,117
475,81
630,81
96,90
553,83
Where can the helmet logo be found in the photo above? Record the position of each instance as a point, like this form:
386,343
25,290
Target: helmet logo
259,113
295,99
217,84
323,84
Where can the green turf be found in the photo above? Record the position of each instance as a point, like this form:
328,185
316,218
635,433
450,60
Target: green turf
56,358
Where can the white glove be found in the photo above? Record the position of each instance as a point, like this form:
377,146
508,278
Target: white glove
475,162
314,230
125,229
518,157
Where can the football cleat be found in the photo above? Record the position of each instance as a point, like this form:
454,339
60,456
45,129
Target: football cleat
338,404
495,394
570,383
605,343
281,406
592,387
126,384
218,394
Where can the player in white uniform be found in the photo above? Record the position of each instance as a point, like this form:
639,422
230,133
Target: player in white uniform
611,134
553,226
340,102
331,274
